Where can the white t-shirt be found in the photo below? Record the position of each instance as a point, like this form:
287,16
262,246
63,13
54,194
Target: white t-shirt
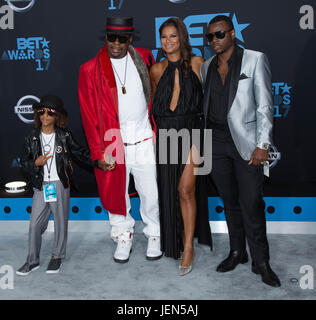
133,109
49,139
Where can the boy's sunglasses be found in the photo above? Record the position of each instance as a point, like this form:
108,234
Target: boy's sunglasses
218,34
50,112
121,38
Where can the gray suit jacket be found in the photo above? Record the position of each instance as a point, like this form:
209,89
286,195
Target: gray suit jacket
250,109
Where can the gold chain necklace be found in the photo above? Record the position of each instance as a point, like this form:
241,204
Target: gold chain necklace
122,84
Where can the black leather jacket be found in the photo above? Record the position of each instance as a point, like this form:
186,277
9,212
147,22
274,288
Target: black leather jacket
65,149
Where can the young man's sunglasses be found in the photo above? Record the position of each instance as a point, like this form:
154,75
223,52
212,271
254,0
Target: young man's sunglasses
121,38
50,112
218,34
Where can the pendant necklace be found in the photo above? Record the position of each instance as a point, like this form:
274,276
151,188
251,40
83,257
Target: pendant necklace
47,148
46,145
122,84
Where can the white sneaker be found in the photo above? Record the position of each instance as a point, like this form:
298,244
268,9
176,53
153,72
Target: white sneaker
153,249
123,249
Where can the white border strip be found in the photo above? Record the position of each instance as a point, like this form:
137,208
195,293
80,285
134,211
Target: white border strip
273,227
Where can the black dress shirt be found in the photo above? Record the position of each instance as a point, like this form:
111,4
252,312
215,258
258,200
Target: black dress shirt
218,109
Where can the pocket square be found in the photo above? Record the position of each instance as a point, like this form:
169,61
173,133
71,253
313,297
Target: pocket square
243,76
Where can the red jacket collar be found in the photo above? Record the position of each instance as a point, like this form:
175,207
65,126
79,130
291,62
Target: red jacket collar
106,73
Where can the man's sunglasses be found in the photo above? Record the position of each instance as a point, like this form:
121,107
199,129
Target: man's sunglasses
121,38
218,34
50,112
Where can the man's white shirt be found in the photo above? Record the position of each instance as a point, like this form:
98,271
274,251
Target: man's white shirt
133,109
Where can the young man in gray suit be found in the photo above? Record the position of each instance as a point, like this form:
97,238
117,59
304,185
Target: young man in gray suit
238,107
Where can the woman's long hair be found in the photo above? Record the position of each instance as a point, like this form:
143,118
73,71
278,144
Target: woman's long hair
185,47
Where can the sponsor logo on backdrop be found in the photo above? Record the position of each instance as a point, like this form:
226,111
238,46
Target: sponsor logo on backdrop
274,156
307,20
6,18
7,12
21,5
197,27
281,99
24,110
30,49
115,4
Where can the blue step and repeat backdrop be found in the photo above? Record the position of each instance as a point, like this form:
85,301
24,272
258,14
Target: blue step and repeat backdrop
44,42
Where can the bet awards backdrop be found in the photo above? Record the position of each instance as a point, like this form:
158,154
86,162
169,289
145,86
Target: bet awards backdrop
43,43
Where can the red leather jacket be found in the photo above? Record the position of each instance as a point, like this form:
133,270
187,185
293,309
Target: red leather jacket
99,113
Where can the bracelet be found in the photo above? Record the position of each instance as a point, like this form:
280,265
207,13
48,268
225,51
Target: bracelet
263,145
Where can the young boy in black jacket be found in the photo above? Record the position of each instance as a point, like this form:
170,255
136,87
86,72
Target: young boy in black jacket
47,154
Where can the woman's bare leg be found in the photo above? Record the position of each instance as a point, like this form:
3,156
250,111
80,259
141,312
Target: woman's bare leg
186,191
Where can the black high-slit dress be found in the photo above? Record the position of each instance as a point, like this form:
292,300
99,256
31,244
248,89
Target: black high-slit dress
187,115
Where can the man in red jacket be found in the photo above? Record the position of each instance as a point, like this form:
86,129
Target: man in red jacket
115,103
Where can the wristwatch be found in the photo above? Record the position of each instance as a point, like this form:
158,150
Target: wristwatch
263,145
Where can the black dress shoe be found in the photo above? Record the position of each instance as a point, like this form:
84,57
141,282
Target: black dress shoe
267,274
234,258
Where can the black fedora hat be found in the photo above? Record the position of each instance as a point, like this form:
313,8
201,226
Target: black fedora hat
119,25
52,102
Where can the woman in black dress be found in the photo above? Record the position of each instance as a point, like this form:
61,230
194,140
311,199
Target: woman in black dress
177,105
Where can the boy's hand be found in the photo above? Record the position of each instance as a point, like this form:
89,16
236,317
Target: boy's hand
41,160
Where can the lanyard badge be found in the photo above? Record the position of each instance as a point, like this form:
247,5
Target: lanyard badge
49,191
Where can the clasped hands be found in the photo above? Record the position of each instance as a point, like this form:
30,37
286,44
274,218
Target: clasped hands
108,164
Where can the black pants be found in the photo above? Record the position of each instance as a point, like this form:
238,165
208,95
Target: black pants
241,187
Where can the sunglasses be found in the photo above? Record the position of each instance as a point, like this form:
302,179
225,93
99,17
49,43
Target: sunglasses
50,112
121,38
218,34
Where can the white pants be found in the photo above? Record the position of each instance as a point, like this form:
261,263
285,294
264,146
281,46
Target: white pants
140,162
